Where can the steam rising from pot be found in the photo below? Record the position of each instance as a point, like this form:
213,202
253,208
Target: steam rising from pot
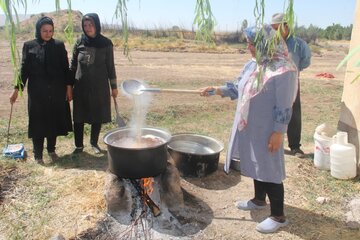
141,106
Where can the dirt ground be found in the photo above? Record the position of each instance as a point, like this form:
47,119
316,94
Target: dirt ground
217,191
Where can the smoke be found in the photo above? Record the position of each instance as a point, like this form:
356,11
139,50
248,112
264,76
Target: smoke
141,105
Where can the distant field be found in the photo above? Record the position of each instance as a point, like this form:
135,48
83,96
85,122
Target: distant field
21,18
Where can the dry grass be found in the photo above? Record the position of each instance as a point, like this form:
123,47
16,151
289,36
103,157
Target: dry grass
45,200
174,45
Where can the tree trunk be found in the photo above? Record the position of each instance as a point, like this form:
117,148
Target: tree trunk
350,108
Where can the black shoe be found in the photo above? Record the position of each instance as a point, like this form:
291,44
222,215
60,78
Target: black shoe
39,161
53,156
78,150
96,148
297,152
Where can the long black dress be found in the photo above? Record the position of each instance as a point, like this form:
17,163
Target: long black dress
93,72
45,67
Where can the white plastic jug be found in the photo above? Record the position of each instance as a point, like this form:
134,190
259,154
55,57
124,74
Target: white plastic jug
322,143
342,157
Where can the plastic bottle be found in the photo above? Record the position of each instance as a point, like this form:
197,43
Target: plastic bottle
342,157
323,141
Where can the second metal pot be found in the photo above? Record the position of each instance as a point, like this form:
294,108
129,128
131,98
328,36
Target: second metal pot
195,155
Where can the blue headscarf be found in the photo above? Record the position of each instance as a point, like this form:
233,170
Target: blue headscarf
250,33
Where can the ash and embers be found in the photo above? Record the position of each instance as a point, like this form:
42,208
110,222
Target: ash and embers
129,217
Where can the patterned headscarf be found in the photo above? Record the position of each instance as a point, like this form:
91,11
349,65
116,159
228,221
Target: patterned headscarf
42,21
272,60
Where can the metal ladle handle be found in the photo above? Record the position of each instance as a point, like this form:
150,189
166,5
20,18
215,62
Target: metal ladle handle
175,90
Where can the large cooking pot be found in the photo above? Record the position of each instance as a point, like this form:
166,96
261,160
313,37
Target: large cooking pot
127,160
195,155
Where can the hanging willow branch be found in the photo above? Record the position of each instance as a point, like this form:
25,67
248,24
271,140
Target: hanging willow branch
259,14
204,20
121,11
69,29
289,16
9,8
347,58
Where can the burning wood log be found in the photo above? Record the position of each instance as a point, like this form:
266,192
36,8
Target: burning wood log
147,200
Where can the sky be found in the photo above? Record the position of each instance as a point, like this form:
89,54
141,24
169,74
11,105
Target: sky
229,14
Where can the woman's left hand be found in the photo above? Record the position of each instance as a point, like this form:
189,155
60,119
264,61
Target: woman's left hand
114,93
69,93
275,141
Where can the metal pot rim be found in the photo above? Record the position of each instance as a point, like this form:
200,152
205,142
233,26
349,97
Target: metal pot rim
162,133
219,144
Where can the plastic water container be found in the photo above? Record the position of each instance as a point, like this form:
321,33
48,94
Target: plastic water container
342,157
323,141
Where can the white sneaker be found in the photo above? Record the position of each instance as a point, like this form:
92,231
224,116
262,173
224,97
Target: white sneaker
248,205
269,225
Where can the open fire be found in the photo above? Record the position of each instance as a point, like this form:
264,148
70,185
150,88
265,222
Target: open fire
182,215
138,202
144,187
147,185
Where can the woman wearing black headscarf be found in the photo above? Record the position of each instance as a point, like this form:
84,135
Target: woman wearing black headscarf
93,72
45,67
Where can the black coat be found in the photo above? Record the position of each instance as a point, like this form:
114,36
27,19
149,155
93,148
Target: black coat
93,71
45,67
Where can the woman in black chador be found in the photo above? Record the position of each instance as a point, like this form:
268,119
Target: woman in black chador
45,67
93,72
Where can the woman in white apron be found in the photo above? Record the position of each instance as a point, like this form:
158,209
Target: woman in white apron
265,89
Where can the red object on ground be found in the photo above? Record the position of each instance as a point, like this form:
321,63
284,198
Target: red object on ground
325,75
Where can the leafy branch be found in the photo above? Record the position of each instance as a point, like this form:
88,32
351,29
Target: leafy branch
69,29
204,20
9,8
121,11
347,58
259,13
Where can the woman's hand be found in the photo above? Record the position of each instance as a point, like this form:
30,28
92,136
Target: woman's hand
275,141
14,96
114,93
205,91
69,93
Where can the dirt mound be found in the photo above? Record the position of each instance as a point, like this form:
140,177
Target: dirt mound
60,18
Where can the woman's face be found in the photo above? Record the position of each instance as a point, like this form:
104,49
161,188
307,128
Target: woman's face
284,29
251,48
89,29
46,32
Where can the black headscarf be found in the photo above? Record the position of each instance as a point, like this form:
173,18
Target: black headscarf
42,21
99,40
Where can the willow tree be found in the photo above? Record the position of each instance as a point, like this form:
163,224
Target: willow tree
204,20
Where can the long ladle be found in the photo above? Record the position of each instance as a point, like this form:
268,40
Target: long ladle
135,87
